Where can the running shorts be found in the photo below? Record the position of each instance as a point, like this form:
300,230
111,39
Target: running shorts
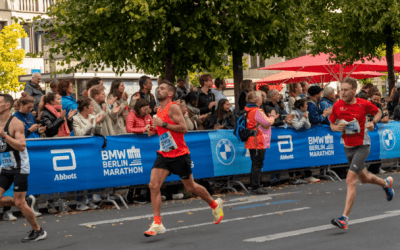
180,165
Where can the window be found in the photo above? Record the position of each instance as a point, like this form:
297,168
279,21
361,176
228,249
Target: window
38,42
25,42
262,61
2,25
253,61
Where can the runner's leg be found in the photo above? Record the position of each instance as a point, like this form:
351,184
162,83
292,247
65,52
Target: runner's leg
26,211
197,189
6,201
365,177
157,178
351,191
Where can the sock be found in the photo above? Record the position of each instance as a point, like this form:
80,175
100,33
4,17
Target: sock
213,205
345,217
386,183
157,220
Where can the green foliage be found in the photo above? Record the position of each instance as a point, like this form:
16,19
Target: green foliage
223,72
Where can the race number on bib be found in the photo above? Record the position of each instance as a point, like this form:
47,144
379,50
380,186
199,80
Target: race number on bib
352,127
167,142
6,160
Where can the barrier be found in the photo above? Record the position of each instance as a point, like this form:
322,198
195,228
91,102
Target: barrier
80,163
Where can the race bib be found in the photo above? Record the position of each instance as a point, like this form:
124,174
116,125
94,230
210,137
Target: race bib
352,127
167,142
6,160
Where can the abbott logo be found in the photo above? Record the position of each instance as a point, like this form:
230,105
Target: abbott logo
287,140
63,158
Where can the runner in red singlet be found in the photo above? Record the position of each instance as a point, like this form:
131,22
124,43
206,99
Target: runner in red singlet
173,157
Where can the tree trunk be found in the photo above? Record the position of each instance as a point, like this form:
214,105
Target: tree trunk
237,74
390,58
169,69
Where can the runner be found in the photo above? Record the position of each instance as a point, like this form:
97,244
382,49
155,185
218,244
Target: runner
15,166
173,157
348,116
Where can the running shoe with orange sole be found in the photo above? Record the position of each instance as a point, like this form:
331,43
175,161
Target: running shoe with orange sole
155,229
389,190
218,213
340,222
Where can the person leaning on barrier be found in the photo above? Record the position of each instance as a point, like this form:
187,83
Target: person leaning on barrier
317,115
376,100
145,85
257,145
300,119
192,100
185,113
118,99
54,118
32,129
139,120
98,96
223,118
85,122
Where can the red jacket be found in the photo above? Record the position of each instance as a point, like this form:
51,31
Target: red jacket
137,124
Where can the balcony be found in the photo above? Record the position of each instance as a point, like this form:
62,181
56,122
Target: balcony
34,6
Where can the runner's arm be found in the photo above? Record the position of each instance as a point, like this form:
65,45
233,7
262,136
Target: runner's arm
377,117
175,115
17,128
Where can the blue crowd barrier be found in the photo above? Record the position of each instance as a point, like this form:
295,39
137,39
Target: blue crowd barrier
80,163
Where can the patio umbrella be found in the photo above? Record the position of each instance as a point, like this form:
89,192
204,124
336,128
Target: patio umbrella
320,63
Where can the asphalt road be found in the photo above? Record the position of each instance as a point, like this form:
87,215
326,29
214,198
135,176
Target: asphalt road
291,217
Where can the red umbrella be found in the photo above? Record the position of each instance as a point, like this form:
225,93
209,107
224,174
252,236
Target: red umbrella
299,76
320,63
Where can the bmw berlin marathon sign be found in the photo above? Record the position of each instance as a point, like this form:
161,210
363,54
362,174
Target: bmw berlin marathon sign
225,151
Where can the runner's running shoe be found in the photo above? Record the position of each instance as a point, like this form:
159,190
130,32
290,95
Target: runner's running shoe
35,235
154,230
389,190
217,212
340,222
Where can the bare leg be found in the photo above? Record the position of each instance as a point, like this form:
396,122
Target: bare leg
197,189
21,204
6,201
351,191
157,179
365,177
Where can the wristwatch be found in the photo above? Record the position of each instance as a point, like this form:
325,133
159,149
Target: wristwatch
164,124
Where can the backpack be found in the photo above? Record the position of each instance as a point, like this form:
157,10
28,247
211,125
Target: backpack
240,129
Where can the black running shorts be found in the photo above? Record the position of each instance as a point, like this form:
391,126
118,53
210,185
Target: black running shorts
20,181
180,165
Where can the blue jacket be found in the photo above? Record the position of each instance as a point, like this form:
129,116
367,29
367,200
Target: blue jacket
325,103
69,103
315,112
28,120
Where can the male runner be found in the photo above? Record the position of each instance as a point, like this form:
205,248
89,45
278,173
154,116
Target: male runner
15,166
173,157
348,116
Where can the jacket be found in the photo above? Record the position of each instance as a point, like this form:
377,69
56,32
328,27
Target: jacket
181,93
137,124
31,89
325,103
28,120
119,121
83,126
279,121
228,122
205,100
315,112
396,113
255,118
299,121
107,124
53,123
68,104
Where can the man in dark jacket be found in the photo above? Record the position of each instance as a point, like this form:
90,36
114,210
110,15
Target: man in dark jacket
145,85
206,97
317,115
181,90
33,89
273,102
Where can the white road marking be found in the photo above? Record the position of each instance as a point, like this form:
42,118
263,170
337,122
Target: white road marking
320,228
240,218
243,200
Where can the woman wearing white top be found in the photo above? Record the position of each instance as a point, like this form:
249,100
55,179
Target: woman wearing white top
300,113
85,123
295,90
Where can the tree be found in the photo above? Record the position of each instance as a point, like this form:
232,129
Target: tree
11,58
355,30
166,37
223,72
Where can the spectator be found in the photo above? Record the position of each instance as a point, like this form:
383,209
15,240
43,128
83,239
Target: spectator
246,86
220,85
367,89
257,145
139,119
92,82
264,91
317,115
328,99
184,110
53,86
376,100
145,85
192,100
65,90
33,89
32,129
301,115
206,97
85,122
54,117
98,97
393,99
304,86
364,96
119,98
273,102
295,90
181,90
223,118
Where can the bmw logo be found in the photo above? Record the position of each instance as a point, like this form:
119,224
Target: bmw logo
225,151
389,140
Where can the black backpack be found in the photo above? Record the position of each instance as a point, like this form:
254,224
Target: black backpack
240,129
